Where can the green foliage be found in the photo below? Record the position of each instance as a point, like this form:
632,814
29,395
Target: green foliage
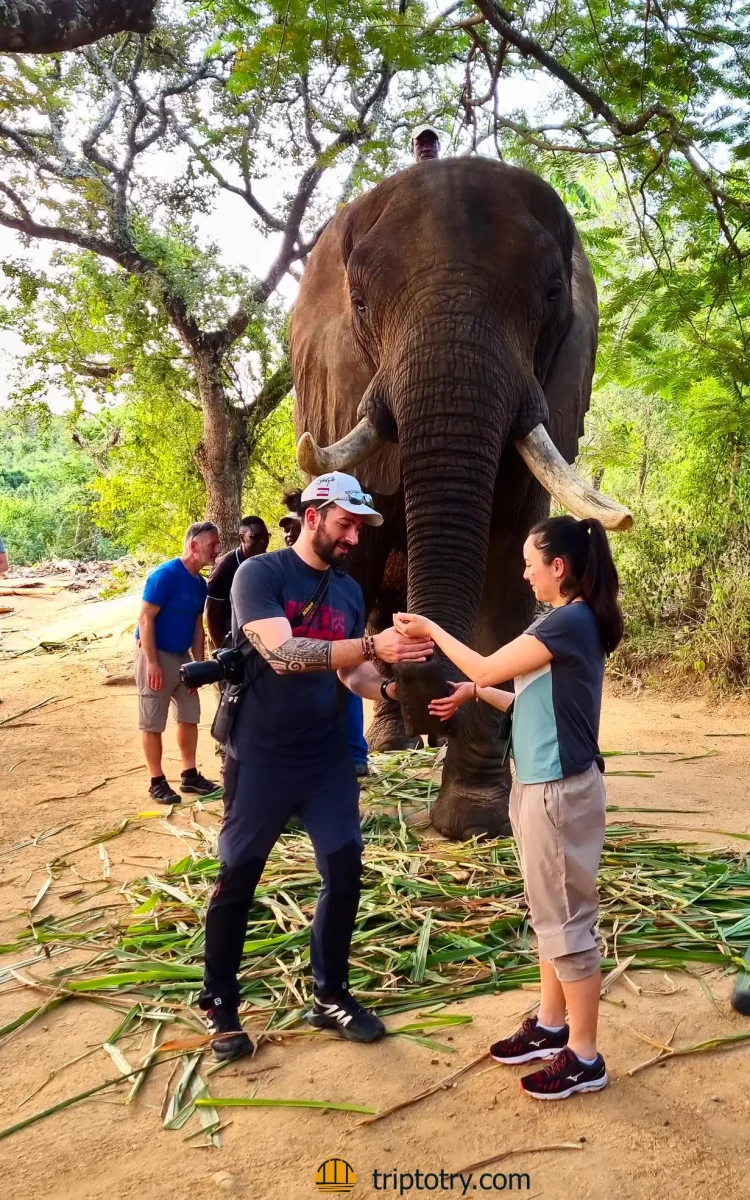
45,502
273,470
150,489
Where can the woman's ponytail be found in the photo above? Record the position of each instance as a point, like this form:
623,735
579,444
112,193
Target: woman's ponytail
590,570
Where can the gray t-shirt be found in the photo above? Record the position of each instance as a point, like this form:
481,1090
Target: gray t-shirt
557,708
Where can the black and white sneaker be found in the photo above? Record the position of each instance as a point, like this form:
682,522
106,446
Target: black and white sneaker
197,784
224,1025
340,1011
531,1041
163,793
565,1076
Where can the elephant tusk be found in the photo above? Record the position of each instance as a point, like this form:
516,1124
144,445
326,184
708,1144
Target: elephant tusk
547,464
347,452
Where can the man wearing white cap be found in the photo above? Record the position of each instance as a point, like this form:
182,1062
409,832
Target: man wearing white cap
305,621
425,143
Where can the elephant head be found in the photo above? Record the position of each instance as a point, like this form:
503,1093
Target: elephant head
445,315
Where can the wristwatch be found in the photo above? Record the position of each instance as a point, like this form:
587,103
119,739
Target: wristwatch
384,688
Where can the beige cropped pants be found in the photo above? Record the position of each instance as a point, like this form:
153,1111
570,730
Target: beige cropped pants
559,830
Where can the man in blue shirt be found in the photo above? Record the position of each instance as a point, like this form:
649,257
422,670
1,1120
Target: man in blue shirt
169,630
3,558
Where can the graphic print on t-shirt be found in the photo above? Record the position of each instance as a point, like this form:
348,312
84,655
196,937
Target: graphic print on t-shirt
292,718
328,624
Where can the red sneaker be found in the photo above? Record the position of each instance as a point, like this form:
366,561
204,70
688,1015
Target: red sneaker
565,1076
529,1042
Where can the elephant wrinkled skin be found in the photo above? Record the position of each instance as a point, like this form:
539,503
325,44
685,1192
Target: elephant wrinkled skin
451,311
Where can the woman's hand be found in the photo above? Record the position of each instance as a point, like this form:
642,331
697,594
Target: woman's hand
413,626
446,706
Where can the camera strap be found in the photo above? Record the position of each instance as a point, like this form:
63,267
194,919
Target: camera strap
308,611
254,663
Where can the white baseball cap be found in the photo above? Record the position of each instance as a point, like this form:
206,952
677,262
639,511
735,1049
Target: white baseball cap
420,129
344,490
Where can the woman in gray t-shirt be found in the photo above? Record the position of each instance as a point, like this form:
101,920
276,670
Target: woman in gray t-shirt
557,802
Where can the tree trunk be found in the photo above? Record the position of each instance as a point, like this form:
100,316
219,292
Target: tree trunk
51,26
222,454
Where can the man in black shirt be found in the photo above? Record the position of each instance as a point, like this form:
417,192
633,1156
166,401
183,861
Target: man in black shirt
253,540
286,756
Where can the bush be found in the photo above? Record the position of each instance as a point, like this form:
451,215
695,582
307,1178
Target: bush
40,525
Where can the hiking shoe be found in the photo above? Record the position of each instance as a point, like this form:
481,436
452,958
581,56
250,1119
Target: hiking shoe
230,1039
163,793
197,784
565,1076
529,1042
340,1011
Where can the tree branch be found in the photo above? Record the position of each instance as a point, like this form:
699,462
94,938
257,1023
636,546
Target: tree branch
51,26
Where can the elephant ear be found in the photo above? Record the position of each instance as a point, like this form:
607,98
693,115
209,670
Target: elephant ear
567,385
331,373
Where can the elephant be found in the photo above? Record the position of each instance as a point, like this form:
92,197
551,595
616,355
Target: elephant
443,345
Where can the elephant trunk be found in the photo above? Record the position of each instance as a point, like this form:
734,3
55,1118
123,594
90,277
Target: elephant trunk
451,440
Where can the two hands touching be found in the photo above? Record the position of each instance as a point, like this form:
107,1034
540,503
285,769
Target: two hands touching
420,629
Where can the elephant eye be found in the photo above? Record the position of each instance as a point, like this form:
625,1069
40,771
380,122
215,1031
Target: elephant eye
553,291
359,305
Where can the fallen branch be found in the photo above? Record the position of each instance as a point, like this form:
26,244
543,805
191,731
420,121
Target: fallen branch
487,1162
442,1085
717,1043
32,708
87,791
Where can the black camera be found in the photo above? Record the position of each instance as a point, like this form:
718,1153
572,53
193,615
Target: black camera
226,665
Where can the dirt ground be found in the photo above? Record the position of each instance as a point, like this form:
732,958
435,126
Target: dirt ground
680,1129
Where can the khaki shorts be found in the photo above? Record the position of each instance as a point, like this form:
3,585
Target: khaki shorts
154,706
559,830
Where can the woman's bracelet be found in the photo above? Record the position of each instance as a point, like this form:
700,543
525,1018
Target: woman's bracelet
368,648
384,688
475,694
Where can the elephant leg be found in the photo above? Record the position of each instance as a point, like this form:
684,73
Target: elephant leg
474,795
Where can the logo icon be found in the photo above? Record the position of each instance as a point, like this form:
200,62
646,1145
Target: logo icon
335,1175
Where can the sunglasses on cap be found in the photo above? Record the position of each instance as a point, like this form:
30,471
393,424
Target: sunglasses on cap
357,497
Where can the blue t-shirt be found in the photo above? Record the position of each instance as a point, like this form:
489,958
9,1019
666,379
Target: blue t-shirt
557,708
291,718
2,547
181,598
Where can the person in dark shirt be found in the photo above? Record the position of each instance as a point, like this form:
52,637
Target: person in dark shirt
254,538
286,755
355,713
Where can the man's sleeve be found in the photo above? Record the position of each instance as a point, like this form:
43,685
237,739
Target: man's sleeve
157,589
257,591
220,581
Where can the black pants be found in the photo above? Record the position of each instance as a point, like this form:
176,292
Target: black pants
260,797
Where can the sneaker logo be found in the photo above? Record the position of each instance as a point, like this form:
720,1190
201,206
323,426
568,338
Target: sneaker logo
537,1043
575,1078
339,1014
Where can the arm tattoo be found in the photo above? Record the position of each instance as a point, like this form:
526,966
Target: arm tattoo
294,655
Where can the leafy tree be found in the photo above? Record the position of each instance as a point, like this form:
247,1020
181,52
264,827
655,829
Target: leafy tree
216,92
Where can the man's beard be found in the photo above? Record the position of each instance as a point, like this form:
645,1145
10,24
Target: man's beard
329,549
